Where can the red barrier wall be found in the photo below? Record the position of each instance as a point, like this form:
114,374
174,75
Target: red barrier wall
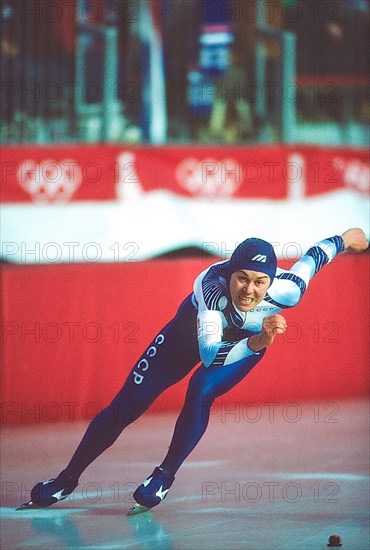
70,334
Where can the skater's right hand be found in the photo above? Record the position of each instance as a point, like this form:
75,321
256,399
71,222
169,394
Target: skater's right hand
271,326
355,240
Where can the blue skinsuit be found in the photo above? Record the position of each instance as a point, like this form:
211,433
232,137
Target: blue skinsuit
207,328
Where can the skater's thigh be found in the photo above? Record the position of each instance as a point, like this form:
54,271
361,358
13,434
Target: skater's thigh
212,382
170,356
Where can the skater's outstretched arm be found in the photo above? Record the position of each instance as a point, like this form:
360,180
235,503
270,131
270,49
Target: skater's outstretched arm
290,285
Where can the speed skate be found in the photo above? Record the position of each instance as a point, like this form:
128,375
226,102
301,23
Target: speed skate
133,511
137,509
28,506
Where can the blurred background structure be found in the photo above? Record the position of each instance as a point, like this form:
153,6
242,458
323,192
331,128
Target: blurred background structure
181,71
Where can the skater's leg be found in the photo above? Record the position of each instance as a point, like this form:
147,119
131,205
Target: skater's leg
170,356
205,385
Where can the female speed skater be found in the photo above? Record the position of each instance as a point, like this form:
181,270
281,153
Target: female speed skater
226,324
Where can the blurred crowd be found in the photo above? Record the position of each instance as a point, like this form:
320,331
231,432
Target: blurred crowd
208,52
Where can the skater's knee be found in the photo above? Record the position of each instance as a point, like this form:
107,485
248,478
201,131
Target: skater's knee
119,414
201,388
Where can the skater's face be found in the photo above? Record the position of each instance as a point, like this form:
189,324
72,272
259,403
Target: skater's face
248,288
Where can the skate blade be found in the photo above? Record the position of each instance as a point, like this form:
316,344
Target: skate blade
28,506
137,509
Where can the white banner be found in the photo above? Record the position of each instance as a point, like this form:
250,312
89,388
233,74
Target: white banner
150,224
